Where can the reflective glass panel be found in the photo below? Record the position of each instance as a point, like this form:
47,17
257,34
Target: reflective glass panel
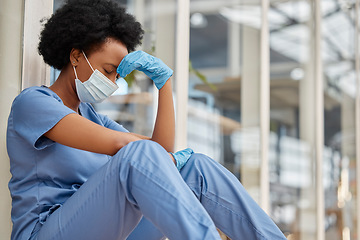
224,86
338,41
292,123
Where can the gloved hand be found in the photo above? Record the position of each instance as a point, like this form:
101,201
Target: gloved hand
153,67
181,157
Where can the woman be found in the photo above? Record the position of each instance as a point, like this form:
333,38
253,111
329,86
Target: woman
76,174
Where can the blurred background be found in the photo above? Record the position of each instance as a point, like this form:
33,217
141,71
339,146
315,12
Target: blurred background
266,88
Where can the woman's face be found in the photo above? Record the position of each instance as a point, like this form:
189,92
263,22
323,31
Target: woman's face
106,59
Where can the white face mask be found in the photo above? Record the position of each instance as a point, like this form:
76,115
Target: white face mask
96,89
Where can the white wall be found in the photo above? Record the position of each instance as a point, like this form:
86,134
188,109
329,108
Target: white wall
11,30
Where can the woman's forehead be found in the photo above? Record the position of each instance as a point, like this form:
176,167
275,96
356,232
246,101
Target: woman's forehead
112,50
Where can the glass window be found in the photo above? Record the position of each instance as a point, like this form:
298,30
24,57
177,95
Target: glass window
339,167
224,86
292,123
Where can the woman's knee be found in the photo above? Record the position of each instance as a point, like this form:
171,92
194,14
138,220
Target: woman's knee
138,146
199,160
200,166
196,166
139,151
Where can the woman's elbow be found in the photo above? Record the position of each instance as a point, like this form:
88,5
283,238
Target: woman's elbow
122,141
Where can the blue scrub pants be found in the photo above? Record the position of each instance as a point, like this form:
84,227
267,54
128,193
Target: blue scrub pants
142,181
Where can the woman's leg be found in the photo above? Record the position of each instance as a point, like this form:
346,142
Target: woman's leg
140,179
145,230
225,199
232,209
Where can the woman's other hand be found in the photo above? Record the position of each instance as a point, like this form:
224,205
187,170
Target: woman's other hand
181,157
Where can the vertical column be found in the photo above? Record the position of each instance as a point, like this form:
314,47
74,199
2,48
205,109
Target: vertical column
319,123
357,116
255,109
35,71
348,158
11,32
264,107
311,110
182,71
307,214
250,111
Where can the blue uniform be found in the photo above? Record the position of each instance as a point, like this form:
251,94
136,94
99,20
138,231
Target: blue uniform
59,192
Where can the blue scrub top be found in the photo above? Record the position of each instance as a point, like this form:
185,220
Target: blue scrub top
45,173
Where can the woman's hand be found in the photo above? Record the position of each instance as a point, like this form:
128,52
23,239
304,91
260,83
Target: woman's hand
181,157
153,67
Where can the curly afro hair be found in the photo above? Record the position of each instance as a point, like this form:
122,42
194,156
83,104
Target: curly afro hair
84,24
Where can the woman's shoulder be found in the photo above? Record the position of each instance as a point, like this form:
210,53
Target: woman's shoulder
35,93
36,98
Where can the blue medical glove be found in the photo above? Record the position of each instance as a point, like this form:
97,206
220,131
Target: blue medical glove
153,67
181,157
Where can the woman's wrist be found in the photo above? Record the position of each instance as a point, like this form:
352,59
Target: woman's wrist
181,157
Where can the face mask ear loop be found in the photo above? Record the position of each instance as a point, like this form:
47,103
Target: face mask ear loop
88,61
75,73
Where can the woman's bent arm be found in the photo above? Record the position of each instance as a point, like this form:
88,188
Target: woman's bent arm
164,129
78,132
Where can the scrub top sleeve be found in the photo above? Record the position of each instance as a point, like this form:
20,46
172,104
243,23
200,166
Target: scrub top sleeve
34,113
111,124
